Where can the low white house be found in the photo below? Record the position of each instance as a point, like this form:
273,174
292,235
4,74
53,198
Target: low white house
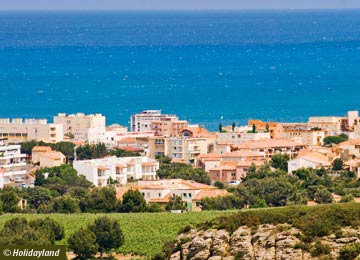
100,171
312,160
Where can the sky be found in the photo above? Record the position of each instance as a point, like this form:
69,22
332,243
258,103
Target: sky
174,4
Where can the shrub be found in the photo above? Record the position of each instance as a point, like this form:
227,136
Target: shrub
320,249
83,243
349,251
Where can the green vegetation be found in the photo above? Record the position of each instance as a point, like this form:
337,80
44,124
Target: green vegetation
280,161
91,151
144,233
40,231
267,187
175,203
338,164
330,140
184,171
123,153
101,236
312,221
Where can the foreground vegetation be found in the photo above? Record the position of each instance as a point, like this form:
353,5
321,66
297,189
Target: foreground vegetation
314,223
144,233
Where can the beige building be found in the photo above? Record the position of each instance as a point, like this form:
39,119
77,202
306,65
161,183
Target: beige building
19,130
335,125
45,157
161,191
181,148
142,122
305,136
268,147
168,126
79,123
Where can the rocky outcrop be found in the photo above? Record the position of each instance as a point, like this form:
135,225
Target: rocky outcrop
280,242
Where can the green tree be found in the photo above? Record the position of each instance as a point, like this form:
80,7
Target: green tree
83,243
280,161
322,196
108,234
133,201
254,128
175,203
10,200
329,140
38,196
91,151
65,204
123,153
233,127
220,127
100,200
337,164
18,231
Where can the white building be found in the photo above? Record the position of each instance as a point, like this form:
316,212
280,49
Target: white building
143,122
12,164
313,160
19,130
99,171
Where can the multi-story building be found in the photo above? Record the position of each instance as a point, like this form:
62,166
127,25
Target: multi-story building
19,130
79,123
12,164
268,147
142,122
168,126
101,171
181,148
335,125
301,133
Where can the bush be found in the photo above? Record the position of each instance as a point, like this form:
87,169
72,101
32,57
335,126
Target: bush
320,249
349,251
83,243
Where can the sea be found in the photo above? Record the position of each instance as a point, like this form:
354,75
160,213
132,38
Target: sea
205,66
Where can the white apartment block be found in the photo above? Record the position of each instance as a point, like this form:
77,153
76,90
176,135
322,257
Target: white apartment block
78,125
99,171
143,122
19,130
12,164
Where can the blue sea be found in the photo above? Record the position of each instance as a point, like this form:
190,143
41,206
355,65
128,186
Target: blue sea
205,67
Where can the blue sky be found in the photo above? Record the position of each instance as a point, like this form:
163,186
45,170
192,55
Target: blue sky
175,4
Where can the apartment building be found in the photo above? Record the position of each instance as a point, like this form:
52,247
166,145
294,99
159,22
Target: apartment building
101,171
181,148
12,164
83,128
142,122
46,157
301,133
19,130
268,147
335,125
168,126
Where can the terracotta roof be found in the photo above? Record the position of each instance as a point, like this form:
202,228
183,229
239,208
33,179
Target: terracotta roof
161,200
268,143
41,149
130,149
347,143
249,163
55,155
121,166
102,168
127,140
210,194
316,158
148,164
243,153
209,156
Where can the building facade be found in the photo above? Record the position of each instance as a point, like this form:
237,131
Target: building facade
101,171
12,164
19,130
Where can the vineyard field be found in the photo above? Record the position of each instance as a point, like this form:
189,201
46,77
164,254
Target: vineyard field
145,233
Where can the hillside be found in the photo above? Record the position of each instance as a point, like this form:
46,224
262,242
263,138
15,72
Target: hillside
321,232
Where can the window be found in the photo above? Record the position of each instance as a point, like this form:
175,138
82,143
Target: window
184,195
189,195
159,195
